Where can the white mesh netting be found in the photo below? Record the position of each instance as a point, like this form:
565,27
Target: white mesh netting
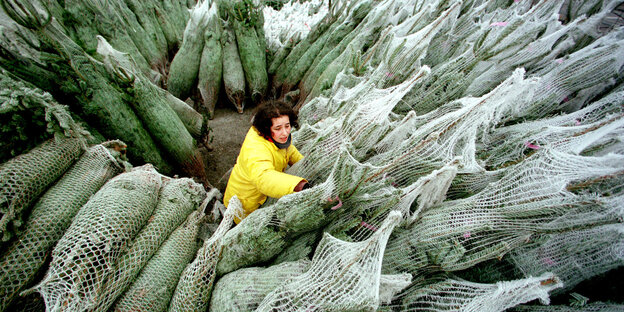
296,20
24,178
575,255
85,255
177,199
495,129
343,276
52,215
152,289
463,232
592,307
195,286
458,295
244,289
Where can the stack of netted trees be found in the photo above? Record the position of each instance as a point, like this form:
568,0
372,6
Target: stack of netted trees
54,46
494,127
192,49
464,156
79,225
103,233
223,45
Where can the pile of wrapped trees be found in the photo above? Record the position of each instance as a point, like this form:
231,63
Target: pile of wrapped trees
494,127
106,63
98,234
464,156
223,45
191,49
69,207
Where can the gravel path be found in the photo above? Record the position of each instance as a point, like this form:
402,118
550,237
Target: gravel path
228,129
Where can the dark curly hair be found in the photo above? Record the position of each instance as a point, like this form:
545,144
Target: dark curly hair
272,109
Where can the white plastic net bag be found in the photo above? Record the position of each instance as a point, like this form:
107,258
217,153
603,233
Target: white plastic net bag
194,289
98,235
343,276
177,199
52,214
154,286
459,295
25,177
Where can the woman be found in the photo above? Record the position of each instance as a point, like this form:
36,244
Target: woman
264,155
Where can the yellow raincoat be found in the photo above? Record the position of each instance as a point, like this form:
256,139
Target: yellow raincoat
259,172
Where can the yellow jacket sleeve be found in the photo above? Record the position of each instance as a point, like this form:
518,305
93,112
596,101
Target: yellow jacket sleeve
294,155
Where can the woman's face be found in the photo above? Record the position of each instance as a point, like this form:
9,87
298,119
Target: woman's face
280,130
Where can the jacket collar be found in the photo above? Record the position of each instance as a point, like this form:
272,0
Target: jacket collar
282,145
276,145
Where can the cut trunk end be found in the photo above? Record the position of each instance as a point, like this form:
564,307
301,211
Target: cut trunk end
237,98
240,105
256,96
195,168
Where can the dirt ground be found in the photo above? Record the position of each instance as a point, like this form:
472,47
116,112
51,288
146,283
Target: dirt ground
228,130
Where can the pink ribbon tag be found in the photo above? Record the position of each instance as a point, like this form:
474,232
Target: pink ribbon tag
338,205
531,146
368,226
502,24
548,261
467,234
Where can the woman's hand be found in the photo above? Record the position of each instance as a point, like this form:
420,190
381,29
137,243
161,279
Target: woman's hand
301,185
